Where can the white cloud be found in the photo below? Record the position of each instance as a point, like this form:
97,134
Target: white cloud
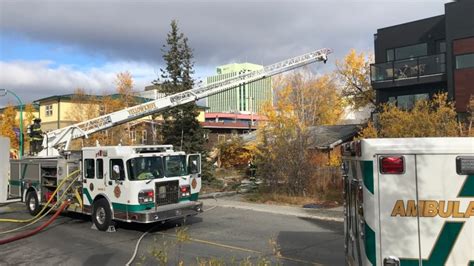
32,80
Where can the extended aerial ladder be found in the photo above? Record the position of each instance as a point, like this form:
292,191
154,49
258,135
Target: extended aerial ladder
59,140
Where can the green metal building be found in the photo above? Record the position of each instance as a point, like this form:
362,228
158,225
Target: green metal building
246,98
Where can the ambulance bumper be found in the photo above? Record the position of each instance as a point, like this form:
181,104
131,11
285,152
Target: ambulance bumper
163,213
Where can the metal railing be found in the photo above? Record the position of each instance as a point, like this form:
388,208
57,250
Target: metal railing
415,67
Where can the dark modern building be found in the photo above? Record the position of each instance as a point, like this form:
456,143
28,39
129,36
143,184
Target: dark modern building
417,59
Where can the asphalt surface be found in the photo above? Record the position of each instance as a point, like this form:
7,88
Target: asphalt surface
221,234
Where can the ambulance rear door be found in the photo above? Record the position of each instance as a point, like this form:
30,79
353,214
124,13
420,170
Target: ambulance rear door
399,238
446,234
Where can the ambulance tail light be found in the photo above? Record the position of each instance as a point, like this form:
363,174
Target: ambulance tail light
146,196
392,165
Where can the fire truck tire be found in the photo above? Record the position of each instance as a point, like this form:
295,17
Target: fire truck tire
102,215
32,203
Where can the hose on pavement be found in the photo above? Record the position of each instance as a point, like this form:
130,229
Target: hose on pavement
46,213
45,205
36,230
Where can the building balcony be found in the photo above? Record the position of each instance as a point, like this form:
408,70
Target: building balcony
423,69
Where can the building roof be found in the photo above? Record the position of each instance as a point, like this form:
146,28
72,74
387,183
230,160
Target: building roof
240,116
323,137
138,99
328,137
71,95
236,125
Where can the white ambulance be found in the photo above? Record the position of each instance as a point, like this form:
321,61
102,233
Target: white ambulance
409,201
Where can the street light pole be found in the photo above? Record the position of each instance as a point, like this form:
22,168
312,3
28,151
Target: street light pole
4,92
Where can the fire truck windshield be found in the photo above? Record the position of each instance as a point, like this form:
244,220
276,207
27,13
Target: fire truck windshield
175,165
145,168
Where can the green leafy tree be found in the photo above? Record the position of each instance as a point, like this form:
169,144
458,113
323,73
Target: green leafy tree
180,127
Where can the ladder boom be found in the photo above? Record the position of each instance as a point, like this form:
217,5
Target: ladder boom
61,138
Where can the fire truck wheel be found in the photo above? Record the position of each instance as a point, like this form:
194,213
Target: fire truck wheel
32,203
102,216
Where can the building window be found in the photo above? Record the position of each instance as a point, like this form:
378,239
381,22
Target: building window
441,46
390,55
49,110
144,137
406,102
411,51
133,136
464,61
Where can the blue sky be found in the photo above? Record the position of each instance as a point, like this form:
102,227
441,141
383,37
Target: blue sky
63,45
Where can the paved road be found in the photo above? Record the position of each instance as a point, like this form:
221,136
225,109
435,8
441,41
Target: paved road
220,234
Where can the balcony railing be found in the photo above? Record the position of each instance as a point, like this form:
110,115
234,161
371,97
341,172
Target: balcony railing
408,68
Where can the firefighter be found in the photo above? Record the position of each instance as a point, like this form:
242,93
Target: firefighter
36,136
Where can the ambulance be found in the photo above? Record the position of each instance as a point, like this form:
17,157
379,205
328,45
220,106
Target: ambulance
409,201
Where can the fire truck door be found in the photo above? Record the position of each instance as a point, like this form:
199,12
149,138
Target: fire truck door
116,185
194,170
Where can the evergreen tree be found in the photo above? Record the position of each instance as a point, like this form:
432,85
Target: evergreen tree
181,127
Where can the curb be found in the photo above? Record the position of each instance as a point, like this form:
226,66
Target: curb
322,215
217,195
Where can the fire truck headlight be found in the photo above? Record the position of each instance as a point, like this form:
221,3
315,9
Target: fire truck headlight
145,196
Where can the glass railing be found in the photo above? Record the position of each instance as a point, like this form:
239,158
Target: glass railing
408,68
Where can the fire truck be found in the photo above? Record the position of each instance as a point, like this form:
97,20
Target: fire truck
141,184
409,201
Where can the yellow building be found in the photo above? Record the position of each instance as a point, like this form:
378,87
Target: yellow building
63,110
59,111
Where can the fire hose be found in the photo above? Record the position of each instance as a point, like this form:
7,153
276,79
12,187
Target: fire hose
45,205
38,229
46,213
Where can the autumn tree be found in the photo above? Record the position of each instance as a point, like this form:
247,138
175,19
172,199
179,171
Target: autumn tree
7,125
123,98
466,124
305,100
85,106
428,118
353,73
233,153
